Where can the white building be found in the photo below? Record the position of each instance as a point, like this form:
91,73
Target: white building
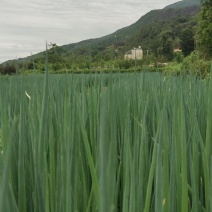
136,53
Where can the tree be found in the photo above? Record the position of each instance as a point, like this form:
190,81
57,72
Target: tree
187,41
8,69
204,34
55,56
168,49
167,44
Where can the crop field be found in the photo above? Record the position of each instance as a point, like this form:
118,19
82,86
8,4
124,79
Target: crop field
105,142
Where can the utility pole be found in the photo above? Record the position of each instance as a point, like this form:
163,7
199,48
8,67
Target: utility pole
90,59
115,46
135,58
115,39
33,62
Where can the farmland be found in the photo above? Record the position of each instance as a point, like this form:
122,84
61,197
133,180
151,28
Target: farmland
105,142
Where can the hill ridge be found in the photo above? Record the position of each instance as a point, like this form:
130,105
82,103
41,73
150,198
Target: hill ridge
190,9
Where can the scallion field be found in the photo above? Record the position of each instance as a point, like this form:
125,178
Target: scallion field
105,142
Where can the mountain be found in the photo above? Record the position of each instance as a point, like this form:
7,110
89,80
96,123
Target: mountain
183,4
180,10
146,32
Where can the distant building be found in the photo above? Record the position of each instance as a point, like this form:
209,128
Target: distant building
177,50
136,53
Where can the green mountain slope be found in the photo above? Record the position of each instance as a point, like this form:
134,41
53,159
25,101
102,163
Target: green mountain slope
129,32
183,4
146,32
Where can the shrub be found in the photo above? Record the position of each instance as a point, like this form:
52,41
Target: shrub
178,57
195,65
8,69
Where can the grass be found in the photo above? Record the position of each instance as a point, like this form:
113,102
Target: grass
105,142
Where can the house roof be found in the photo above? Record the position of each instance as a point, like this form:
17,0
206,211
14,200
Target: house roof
130,52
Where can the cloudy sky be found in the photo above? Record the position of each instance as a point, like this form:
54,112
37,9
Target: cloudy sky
27,24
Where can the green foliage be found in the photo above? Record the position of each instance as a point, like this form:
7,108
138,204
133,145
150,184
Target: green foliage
206,2
7,69
178,57
167,48
184,3
195,65
204,38
187,41
56,56
107,142
126,64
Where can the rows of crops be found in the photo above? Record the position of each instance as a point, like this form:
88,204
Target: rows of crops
115,142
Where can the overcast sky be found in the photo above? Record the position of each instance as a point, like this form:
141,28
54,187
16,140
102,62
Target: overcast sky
25,25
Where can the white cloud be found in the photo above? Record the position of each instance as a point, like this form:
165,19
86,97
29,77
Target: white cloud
26,25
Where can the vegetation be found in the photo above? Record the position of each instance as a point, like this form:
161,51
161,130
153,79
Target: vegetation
187,41
115,142
184,3
159,32
135,141
8,69
205,29
56,56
